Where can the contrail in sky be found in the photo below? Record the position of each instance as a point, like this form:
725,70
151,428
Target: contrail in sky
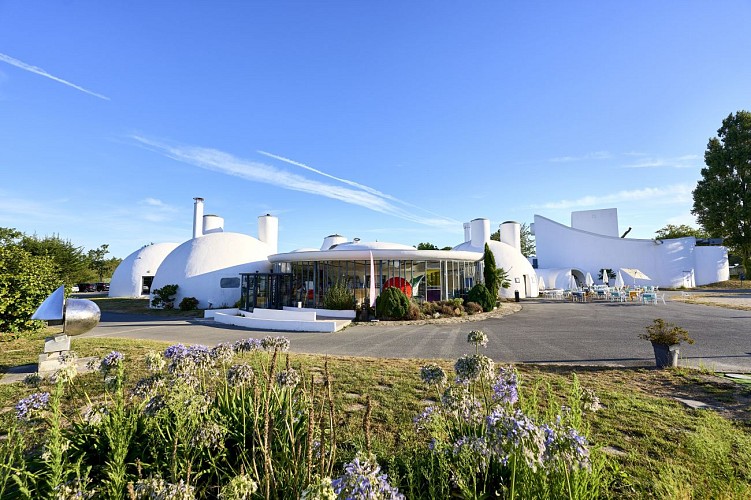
219,161
351,183
40,71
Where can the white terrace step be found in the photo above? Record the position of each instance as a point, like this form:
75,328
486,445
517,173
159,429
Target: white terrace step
292,320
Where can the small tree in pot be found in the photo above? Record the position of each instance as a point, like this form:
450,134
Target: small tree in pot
666,338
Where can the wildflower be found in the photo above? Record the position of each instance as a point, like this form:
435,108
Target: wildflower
240,487
111,362
148,386
288,378
425,417
473,368
321,490
66,374
175,351
432,374
155,404
239,375
590,401
68,357
28,406
158,488
209,435
72,490
246,345
223,353
477,447
33,379
565,444
361,480
93,416
516,433
275,343
199,403
154,361
478,338
505,387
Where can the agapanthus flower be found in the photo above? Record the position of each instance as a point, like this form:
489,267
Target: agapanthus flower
154,404
175,351
239,375
424,418
288,378
478,338
505,387
590,401
321,490
28,406
516,433
432,374
566,445
223,353
275,343
471,368
68,357
111,362
159,489
93,416
361,479
240,487
155,361
246,345
476,446
72,490
209,435
148,386
66,373
33,379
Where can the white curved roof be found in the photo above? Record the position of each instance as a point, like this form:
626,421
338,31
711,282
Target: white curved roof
127,280
381,251
199,265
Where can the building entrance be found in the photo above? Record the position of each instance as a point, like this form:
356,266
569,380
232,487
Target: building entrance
266,291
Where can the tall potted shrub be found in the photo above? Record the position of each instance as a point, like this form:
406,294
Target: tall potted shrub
666,339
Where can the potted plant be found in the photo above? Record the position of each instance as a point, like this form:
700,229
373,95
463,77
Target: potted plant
666,339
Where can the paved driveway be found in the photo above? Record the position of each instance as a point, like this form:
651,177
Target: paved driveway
599,333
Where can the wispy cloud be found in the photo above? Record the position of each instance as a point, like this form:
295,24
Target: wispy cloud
678,193
596,155
353,184
225,163
685,161
154,210
39,71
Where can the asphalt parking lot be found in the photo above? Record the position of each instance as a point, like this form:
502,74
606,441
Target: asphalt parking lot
597,333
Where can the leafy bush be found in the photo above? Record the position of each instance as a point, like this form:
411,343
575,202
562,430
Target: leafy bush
392,304
25,281
473,308
188,304
664,333
339,297
482,296
414,312
164,297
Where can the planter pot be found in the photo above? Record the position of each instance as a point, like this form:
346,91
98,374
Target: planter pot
666,356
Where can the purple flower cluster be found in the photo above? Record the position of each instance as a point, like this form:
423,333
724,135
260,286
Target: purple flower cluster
239,375
472,368
432,374
223,353
28,406
506,387
186,360
478,338
361,479
567,445
111,361
275,343
288,378
246,345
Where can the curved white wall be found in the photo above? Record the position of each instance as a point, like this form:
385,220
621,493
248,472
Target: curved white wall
198,266
127,280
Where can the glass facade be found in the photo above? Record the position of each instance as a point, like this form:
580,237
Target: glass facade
307,281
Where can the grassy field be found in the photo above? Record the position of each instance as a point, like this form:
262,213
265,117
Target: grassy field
655,445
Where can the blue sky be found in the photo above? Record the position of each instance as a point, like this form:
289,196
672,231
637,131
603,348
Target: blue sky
390,121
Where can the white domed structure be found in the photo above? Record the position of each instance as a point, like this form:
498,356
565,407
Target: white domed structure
208,267
138,269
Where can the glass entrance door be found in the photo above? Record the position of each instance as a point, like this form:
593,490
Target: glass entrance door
266,291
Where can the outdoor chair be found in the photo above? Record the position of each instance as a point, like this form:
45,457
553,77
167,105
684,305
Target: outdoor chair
660,297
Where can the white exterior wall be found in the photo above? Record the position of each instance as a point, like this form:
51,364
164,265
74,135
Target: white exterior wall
268,232
511,233
127,279
603,221
667,262
711,265
198,265
212,224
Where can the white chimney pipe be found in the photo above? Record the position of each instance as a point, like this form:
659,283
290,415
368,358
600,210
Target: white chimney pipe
511,233
198,217
480,232
212,224
331,240
268,232
467,231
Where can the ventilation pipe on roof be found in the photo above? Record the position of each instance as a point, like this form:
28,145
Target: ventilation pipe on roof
198,217
467,231
511,234
212,224
333,239
268,232
480,232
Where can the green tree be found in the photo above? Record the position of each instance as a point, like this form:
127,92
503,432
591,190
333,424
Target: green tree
526,239
25,281
97,262
722,198
495,277
672,231
426,246
70,261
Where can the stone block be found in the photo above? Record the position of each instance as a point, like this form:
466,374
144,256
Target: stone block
58,343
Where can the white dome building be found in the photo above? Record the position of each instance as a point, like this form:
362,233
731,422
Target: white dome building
208,267
507,254
133,276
